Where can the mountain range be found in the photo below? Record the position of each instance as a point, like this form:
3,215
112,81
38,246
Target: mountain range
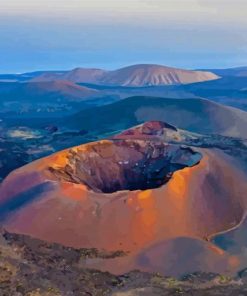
136,75
232,72
59,93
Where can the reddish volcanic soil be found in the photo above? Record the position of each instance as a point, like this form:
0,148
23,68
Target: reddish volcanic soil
142,196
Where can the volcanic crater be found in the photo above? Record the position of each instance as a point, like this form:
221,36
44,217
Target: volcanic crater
94,196
116,165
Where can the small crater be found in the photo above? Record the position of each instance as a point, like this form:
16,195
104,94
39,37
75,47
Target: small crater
116,165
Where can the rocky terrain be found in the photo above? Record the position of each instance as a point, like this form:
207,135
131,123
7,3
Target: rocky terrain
31,267
25,144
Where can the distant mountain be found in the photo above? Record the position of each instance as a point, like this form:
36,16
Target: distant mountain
144,75
77,75
30,75
237,72
26,76
39,97
34,91
229,90
64,89
135,76
196,115
10,78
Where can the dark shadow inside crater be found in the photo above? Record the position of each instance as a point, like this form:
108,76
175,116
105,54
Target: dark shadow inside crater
126,165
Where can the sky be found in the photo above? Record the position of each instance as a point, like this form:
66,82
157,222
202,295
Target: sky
64,34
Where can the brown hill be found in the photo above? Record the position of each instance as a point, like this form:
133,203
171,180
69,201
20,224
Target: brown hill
137,76
84,75
143,75
63,88
76,75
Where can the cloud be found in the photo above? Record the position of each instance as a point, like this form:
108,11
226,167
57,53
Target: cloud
59,33
225,10
131,11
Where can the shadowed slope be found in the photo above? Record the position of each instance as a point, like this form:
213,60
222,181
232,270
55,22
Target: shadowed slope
196,115
50,90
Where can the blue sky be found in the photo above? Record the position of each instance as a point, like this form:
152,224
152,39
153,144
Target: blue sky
59,34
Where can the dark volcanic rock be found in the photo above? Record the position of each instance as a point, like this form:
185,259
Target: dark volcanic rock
30,267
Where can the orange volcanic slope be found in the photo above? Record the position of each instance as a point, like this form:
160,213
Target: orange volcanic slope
50,198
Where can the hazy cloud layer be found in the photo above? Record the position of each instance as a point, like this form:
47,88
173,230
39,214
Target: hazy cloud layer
64,34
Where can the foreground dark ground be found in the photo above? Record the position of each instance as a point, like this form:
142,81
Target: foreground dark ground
33,267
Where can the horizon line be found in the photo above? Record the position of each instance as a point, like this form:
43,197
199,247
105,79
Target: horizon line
121,67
